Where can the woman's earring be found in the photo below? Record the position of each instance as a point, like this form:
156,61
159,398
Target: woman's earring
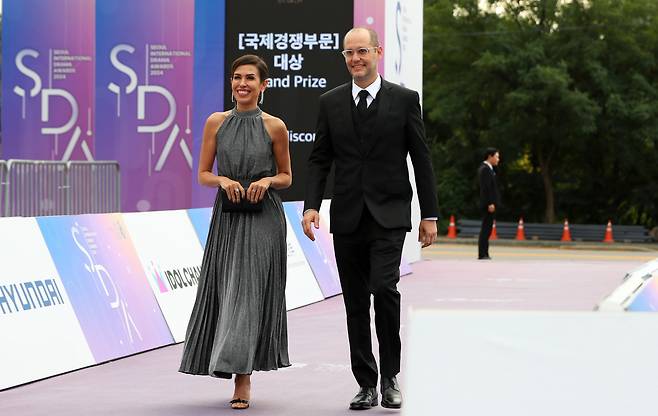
262,97
232,98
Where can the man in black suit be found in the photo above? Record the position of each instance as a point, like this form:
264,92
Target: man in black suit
489,199
366,128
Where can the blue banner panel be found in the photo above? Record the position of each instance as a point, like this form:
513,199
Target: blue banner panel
200,218
105,281
209,81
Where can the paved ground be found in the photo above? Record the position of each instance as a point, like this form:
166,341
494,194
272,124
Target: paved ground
320,382
511,251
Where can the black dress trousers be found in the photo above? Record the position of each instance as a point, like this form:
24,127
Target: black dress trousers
368,261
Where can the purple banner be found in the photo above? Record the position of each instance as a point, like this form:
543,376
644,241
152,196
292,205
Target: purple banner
103,277
372,14
144,98
48,73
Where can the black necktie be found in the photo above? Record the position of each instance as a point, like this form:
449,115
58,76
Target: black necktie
363,102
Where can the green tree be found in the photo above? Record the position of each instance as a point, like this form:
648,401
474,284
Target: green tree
566,90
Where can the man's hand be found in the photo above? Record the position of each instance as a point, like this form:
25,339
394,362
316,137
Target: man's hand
311,216
491,208
427,232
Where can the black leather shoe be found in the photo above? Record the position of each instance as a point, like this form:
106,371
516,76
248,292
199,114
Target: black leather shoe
391,396
364,399
484,258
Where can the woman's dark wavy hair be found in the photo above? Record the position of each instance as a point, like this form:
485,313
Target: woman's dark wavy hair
257,61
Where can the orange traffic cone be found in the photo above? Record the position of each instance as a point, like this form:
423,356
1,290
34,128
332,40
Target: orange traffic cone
608,233
566,234
494,234
452,230
520,232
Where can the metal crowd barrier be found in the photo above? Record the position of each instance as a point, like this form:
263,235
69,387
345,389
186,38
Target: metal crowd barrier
37,188
3,179
94,187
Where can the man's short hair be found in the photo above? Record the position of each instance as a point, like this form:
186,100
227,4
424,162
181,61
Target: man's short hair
374,39
489,151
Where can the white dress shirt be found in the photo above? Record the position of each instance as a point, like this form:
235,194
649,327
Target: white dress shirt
372,89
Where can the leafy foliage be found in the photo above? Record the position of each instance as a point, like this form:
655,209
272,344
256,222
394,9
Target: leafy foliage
567,90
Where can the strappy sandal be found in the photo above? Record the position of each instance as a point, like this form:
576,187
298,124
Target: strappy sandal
239,404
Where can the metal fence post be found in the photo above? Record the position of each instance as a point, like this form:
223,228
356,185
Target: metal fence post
4,187
36,188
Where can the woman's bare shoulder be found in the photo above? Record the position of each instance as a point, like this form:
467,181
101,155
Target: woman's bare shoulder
274,124
215,121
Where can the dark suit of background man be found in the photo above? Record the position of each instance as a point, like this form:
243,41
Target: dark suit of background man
366,128
489,199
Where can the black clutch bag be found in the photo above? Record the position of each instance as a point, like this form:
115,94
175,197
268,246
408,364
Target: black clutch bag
244,205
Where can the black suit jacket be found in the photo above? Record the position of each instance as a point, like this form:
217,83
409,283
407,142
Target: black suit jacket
488,187
373,171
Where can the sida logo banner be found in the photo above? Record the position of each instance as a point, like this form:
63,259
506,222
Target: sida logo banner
144,98
48,87
107,287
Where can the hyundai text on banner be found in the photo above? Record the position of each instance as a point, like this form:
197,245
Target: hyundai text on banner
40,333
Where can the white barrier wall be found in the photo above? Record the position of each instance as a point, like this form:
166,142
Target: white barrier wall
637,292
171,255
515,363
301,287
39,331
403,62
81,290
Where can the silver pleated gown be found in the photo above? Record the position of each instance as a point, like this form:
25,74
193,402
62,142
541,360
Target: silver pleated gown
238,324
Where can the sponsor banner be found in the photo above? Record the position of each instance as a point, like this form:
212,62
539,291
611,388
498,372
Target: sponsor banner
301,42
40,333
200,218
405,267
403,57
144,98
647,300
637,292
646,293
209,82
301,287
48,72
319,253
404,65
104,279
168,249
372,14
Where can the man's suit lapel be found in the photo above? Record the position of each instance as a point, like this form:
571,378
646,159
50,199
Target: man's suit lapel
385,105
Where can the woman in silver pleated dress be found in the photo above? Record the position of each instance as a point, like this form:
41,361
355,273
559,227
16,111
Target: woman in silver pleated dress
238,324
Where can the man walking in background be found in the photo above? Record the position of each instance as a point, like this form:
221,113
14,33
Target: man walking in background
489,199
